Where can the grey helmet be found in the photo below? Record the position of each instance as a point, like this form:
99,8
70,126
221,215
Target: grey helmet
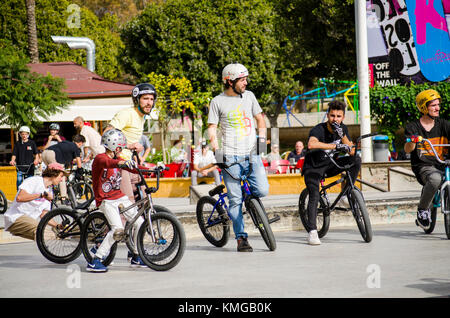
114,138
54,126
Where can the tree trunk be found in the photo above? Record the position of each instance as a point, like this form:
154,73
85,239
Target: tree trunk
32,32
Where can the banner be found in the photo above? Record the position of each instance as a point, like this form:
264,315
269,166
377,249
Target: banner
415,36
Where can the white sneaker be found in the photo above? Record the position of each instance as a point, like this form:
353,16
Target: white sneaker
313,238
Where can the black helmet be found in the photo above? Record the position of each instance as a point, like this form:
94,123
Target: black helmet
142,89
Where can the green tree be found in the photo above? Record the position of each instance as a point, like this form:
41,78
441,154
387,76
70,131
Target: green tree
62,17
322,38
27,98
175,95
197,38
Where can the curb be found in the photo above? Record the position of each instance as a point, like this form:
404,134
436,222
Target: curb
381,211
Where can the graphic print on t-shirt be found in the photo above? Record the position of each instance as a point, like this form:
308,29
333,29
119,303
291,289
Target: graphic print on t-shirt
242,124
112,181
424,149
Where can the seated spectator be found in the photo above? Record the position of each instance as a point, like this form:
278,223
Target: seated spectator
32,201
298,153
204,166
54,137
177,153
274,154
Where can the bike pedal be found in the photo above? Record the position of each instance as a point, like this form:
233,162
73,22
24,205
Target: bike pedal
119,235
275,219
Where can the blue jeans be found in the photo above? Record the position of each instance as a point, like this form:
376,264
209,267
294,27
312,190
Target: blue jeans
259,187
22,176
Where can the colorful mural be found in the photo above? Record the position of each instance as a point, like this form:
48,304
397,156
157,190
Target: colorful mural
408,41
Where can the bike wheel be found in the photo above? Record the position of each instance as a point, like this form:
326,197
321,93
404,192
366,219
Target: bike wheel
82,192
3,202
262,223
95,228
323,214
433,212
213,222
359,210
129,242
58,235
446,200
161,245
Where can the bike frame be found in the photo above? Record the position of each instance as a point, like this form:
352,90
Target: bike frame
144,204
446,180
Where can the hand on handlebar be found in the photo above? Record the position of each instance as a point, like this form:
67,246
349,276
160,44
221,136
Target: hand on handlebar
343,148
414,139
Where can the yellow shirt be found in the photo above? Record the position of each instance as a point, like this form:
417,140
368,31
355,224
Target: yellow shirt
131,122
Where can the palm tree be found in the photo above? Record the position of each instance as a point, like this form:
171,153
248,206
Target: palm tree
32,32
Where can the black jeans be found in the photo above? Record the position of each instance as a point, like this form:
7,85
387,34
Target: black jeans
313,177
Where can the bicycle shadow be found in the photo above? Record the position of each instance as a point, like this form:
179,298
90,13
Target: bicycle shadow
436,286
418,234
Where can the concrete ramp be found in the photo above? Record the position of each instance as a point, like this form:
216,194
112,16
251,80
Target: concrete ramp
198,191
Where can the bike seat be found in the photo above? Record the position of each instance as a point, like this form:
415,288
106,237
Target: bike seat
84,206
216,190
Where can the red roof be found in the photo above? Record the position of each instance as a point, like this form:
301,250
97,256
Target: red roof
80,82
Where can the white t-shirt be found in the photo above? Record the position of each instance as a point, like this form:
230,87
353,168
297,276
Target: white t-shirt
202,161
236,118
34,208
93,139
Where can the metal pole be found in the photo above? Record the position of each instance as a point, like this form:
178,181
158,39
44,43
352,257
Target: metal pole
362,58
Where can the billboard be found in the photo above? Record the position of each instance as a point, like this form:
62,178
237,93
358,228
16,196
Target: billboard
408,40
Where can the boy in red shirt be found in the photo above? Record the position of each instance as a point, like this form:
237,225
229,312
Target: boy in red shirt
106,177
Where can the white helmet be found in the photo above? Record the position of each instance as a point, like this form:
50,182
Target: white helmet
114,138
234,71
24,129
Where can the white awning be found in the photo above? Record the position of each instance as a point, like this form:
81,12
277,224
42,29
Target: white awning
89,113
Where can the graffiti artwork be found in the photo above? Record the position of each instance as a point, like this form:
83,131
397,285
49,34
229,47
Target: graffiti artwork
415,36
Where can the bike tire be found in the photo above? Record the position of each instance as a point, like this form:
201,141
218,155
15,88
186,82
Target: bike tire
95,228
359,210
323,214
168,248
3,203
433,212
129,242
60,246
261,222
214,225
446,199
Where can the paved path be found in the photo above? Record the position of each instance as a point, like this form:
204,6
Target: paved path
401,261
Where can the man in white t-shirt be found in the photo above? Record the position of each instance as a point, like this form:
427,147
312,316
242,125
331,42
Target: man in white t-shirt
32,201
203,166
238,113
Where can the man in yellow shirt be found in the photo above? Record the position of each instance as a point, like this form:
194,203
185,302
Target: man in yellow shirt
131,122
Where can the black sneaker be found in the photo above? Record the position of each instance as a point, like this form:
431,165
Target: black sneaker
424,219
243,245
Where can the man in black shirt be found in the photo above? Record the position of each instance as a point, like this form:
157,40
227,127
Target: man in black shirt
428,170
326,136
24,155
64,153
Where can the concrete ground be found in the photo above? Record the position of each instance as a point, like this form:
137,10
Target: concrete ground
401,261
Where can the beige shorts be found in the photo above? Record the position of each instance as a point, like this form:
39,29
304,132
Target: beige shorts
25,227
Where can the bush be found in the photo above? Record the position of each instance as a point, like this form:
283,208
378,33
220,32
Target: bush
394,106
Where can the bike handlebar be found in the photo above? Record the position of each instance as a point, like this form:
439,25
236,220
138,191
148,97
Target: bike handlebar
334,151
420,139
